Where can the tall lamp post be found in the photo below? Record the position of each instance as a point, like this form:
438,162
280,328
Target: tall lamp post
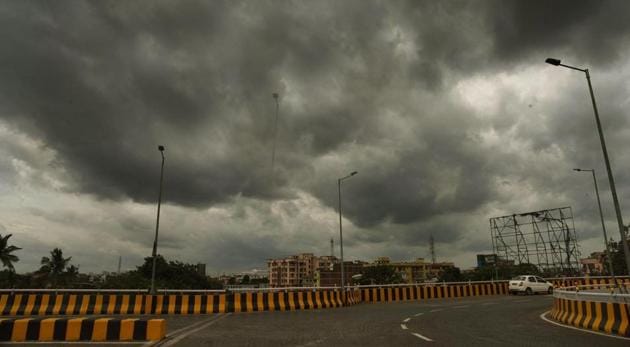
611,180
343,292
157,223
601,216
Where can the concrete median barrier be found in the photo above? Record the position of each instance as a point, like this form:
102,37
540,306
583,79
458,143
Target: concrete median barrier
81,329
433,291
285,301
603,312
44,304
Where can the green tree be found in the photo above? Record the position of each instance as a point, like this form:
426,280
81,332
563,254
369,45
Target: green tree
54,266
173,274
618,259
380,274
5,253
451,274
245,279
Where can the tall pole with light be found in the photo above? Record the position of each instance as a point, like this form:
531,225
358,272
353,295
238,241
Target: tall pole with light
601,217
157,223
343,279
275,131
611,180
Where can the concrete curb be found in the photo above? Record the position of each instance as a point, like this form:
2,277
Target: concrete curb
82,329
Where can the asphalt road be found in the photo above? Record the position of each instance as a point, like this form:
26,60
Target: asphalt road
484,321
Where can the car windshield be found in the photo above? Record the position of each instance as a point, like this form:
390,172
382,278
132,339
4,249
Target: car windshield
519,278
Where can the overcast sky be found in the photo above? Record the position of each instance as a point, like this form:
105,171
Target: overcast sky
445,108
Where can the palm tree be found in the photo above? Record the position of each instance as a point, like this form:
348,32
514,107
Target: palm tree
55,265
5,252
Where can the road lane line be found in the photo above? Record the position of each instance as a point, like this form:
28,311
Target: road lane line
407,320
192,326
422,337
418,314
489,303
543,317
404,327
437,310
463,306
184,334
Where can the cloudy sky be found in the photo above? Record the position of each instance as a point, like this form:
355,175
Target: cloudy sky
445,108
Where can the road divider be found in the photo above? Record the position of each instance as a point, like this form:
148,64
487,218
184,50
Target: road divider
596,311
81,329
43,304
433,291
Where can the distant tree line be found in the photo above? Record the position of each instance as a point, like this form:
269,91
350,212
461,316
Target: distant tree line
56,271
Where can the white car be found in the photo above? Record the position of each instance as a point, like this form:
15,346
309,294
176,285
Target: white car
529,284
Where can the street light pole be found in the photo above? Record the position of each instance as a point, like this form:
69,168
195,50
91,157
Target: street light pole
343,292
601,216
157,223
611,180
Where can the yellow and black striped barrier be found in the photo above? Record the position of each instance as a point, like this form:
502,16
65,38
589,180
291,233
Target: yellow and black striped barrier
588,281
95,304
436,291
81,329
38,304
608,317
44,304
284,301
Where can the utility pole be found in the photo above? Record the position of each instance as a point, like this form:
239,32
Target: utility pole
119,263
157,223
275,132
432,249
332,249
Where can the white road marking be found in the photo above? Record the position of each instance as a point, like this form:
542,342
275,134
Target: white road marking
422,337
418,314
464,306
184,334
404,327
437,310
542,316
79,343
407,320
489,303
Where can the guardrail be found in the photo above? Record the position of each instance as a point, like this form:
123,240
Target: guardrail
582,293
584,308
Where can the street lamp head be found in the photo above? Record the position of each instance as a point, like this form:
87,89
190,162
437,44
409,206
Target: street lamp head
577,169
552,61
275,95
161,148
353,173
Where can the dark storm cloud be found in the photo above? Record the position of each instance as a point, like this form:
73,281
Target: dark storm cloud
103,83
592,30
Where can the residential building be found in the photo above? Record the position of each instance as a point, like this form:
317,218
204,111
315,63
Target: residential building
297,270
411,271
435,270
331,277
594,265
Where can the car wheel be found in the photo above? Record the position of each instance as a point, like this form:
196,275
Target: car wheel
528,291
550,290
